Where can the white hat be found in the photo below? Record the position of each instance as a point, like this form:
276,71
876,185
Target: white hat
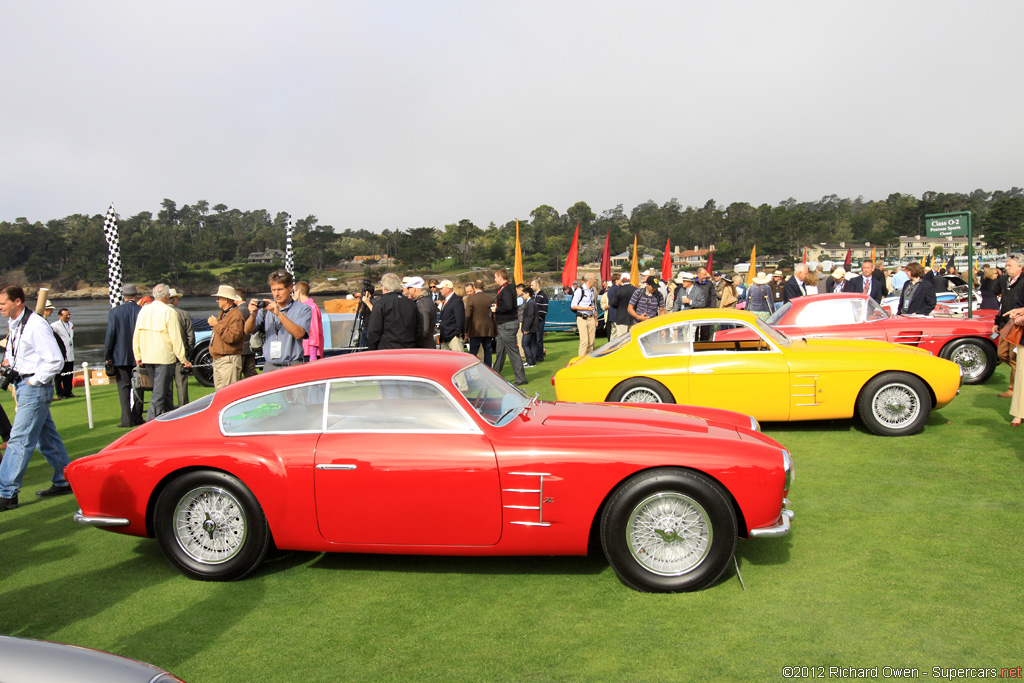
172,293
684,276
446,283
777,273
762,278
48,304
413,281
227,292
625,277
839,273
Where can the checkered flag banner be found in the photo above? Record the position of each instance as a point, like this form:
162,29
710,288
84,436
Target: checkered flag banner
289,254
113,256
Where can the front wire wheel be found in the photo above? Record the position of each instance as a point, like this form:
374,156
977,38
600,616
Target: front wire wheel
669,531
895,404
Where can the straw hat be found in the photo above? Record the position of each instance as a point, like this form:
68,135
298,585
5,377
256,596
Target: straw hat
762,278
227,292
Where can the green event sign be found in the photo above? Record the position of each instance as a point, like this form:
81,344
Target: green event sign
948,224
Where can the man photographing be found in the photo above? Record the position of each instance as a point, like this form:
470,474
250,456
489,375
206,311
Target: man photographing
285,323
31,362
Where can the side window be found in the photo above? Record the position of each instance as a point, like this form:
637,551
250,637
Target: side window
727,338
822,313
391,404
672,340
296,409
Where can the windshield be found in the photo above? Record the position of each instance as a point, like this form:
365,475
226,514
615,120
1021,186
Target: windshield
874,311
779,313
767,330
490,394
613,345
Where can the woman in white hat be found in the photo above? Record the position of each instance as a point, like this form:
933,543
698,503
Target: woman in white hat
760,299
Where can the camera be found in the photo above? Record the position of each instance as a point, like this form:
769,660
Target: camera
261,304
8,375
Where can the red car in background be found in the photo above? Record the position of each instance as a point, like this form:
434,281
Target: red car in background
968,342
432,453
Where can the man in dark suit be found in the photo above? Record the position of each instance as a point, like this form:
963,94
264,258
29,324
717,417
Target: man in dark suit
936,278
453,317
867,283
794,286
117,349
529,327
918,295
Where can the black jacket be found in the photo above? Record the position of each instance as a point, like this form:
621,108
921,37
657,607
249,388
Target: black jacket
792,289
923,300
1011,298
530,317
857,285
453,319
505,305
393,323
619,300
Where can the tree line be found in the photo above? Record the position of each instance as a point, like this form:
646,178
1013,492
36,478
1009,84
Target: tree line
182,244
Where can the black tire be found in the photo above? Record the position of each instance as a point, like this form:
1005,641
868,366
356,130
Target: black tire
976,357
665,560
894,404
210,527
202,365
641,390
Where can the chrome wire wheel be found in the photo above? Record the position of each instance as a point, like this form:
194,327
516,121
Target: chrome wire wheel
210,525
971,359
669,534
641,395
895,405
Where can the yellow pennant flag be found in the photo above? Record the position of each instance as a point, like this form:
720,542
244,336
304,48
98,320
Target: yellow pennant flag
634,270
753,265
518,271
872,256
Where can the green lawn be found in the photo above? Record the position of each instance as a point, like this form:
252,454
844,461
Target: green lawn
905,553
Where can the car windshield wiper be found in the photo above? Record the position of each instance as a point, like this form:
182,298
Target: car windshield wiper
507,413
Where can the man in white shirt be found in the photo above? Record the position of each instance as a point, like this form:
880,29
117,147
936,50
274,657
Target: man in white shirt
584,305
65,331
31,361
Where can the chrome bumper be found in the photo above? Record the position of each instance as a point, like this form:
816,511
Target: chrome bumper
100,521
781,526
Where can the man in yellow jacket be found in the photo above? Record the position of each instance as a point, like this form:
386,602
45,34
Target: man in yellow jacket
158,345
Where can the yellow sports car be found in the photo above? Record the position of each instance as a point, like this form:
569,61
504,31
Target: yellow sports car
731,359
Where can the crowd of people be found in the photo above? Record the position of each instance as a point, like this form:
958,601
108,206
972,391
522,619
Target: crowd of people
149,340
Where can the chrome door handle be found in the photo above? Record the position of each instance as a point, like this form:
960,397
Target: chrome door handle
335,467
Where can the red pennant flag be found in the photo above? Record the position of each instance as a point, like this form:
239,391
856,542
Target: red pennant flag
849,260
711,256
572,260
666,263
805,256
606,259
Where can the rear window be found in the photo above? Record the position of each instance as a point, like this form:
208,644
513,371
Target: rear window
187,409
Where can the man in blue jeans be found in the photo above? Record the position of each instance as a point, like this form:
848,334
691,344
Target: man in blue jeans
31,362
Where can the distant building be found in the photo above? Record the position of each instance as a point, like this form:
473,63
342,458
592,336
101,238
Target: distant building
916,248
266,256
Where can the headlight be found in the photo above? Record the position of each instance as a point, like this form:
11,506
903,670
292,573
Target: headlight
787,466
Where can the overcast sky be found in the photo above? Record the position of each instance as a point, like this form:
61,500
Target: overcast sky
389,114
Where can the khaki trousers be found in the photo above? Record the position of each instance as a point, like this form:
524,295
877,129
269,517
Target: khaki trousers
455,344
226,370
1006,355
1017,402
588,330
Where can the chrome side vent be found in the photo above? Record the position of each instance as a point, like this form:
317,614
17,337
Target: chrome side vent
527,494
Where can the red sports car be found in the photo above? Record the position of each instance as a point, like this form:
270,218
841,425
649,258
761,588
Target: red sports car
967,342
433,453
